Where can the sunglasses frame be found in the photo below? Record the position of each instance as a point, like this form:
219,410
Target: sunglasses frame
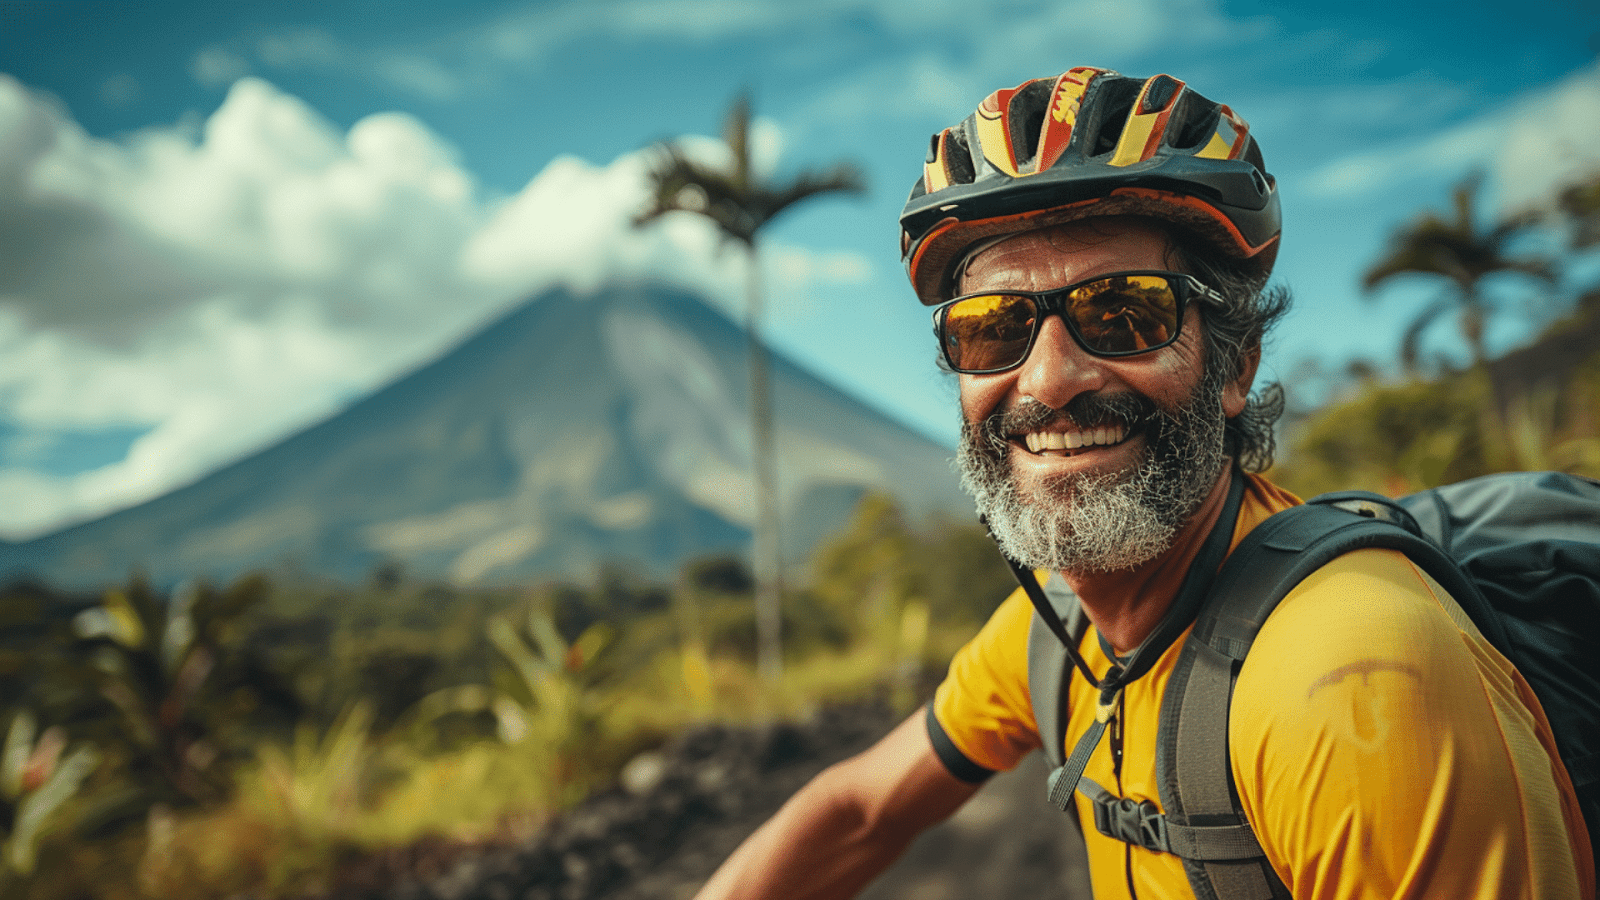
1052,303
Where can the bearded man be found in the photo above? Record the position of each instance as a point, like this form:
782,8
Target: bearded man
1096,249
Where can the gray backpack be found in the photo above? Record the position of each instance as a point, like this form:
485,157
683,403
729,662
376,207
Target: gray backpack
1519,552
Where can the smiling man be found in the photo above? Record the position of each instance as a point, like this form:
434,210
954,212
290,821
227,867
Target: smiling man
1096,249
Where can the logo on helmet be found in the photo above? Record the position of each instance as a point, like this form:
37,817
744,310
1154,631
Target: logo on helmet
1069,95
1064,106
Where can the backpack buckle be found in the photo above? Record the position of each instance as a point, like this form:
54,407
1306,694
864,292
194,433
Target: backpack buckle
1131,821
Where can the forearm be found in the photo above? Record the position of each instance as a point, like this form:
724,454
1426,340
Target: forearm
846,826
814,847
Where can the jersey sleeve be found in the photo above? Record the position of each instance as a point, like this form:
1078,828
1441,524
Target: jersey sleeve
982,709
1382,749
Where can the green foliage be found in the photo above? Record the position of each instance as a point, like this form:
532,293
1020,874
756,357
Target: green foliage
548,698
865,573
252,737
1392,439
36,781
878,562
388,645
1396,439
169,689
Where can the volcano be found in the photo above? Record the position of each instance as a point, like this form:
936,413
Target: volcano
576,431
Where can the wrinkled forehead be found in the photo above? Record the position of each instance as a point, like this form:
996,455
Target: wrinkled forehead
1059,255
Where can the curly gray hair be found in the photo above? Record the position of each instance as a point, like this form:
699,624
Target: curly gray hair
1232,332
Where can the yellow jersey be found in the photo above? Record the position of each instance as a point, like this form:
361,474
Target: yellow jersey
1380,746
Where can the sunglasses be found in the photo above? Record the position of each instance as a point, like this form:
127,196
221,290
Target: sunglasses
1122,314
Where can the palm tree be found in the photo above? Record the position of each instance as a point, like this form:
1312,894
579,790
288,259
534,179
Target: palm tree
1580,203
741,205
1460,252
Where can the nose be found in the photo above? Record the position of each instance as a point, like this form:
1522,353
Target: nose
1057,369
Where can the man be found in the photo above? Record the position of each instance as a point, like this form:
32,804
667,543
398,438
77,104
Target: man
1097,248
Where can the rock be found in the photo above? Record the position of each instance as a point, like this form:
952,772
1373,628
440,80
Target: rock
644,772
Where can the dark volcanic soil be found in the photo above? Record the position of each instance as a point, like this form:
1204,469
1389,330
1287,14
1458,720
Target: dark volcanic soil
712,786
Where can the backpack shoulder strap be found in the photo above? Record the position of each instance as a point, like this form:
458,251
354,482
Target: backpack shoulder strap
1049,671
1193,771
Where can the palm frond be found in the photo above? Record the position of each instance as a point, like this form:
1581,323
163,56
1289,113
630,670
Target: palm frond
1461,252
733,199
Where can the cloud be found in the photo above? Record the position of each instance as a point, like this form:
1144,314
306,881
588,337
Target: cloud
418,75
316,50
995,37
1550,142
1096,32
218,67
301,48
1532,145
105,240
527,36
225,286
801,267
951,54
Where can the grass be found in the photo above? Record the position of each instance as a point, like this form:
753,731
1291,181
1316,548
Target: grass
300,811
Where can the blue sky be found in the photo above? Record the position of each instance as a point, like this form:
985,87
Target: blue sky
221,222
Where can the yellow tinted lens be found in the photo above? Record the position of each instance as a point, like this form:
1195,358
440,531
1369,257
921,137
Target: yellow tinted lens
1125,313
988,332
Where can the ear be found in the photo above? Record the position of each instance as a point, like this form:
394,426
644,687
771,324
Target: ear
1237,392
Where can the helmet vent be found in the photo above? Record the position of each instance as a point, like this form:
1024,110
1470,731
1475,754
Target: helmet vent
1025,119
1162,87
1197,125
1111,110
957,158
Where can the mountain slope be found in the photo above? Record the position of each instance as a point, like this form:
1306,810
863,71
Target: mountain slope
572,431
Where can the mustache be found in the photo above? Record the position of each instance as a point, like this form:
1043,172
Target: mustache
1083,412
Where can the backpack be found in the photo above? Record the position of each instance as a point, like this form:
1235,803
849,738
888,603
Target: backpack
1519,552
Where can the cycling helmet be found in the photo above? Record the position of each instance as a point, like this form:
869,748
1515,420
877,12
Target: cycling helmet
1091,142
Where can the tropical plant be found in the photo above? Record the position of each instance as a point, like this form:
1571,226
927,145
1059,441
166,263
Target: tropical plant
171,691
741,205
1462,252
38,775
547,699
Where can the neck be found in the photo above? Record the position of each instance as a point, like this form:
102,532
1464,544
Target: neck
1126,605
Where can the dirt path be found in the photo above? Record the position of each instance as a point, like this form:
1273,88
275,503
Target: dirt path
702,794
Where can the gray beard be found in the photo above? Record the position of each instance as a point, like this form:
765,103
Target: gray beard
1098,522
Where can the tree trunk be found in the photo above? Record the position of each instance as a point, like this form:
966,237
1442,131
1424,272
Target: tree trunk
765,553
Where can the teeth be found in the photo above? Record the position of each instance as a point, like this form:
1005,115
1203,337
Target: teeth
1038,441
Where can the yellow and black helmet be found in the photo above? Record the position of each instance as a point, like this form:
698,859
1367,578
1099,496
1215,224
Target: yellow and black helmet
1090,142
